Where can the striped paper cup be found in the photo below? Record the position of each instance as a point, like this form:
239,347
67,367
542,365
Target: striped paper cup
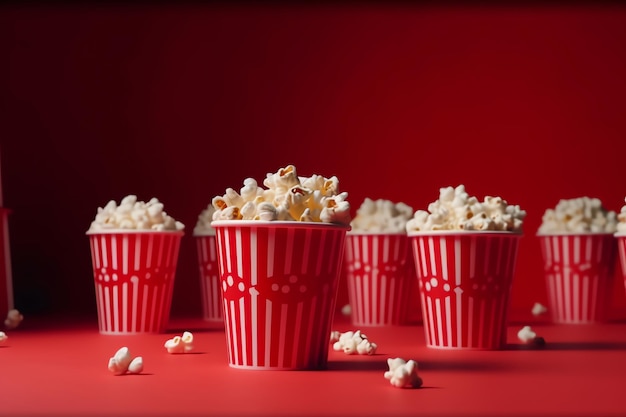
279,283
134,275
380,275
212,308
465,281
578,270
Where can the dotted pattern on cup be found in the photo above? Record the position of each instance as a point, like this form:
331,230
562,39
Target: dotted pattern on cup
578,270
465,283
134,280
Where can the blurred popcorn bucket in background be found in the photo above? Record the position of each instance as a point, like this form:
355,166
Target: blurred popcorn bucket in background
380,275
578,270
210,288
6,277
134,275
465,282
279,281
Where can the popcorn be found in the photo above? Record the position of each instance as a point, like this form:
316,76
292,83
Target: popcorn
180,344
353,342
334,336
118,364
203,225
136,365
381,216
527,335
346,310
539,309
456,210
133,214
123,362
14,318
3,337
621,225
403,374
287,197
580,215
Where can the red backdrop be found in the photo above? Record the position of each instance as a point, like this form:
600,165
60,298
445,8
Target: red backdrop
180,102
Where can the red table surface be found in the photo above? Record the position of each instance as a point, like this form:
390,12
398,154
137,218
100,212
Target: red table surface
59,367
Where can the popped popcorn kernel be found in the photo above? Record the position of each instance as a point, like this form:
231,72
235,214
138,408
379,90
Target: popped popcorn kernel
381,216
403,374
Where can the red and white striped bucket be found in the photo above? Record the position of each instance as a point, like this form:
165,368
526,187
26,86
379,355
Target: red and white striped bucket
578,270
380,274
210,287
134,279
465,282
279,282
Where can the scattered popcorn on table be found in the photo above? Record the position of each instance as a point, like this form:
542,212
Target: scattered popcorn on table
334,336
528,336
403,374
354,342
14,318
3,337
346,310
123,362
539,309
180,344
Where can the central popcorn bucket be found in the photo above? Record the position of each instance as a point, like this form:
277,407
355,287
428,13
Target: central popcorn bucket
279,283
134,274
578,271
210,287
380,275
465,281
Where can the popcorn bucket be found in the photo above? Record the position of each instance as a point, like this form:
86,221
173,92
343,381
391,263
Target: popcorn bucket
465,281
212,309
578,270
134,275
380,274
279,282
6,280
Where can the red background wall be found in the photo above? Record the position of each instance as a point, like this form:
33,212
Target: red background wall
180,102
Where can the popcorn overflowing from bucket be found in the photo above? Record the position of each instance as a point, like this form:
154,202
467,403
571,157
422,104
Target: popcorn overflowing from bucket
135,215
579,215
381,216
288,197
456,210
